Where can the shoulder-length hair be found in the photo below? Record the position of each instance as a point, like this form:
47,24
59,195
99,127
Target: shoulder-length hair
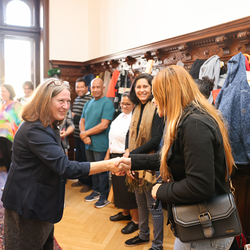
29,84
132,94
174,89
10,89
39,105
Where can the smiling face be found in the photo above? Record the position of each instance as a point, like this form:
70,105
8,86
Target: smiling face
5,94
27,91
97,88
59,106
81,89
126,105
143,90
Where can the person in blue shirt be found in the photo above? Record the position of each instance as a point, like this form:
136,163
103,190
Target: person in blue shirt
94,128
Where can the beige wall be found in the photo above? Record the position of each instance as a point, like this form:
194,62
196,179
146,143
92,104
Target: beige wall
68,30
81,30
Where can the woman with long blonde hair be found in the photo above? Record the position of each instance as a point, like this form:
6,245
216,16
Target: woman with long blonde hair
174,90
192,160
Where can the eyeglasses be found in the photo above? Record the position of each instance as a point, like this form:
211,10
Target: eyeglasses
59,83
125,104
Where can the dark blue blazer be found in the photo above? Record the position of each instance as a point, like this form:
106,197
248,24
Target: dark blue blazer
35,186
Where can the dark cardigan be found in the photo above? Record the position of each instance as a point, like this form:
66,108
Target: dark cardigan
196,161
35,184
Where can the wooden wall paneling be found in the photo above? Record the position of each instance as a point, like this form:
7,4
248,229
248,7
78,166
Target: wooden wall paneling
70,71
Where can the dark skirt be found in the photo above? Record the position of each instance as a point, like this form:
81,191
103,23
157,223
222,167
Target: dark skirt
23,234
122,197
6,149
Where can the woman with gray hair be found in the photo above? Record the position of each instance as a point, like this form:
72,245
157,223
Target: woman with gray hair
33,196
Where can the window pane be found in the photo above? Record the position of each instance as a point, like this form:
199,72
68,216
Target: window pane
18,13
17,55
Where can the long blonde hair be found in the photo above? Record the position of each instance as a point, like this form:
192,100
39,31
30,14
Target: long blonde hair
38,107
174,89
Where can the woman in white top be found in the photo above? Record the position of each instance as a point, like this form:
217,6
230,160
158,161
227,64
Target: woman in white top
122,197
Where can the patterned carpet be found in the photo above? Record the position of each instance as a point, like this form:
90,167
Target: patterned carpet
3,176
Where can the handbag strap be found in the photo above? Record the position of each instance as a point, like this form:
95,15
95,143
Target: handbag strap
204,215
205,220
232,189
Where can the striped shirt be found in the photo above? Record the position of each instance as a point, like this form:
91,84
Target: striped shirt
77,109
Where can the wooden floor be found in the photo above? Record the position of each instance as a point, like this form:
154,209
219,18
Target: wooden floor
85,227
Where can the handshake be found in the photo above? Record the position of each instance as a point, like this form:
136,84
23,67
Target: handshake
119,166
122,166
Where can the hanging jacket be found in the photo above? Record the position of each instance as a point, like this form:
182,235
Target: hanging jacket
106,81
111,88
234,103
89,78
211,68
195,69
247,64
122,82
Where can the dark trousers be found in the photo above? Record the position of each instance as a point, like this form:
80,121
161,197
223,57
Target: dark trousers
81,157
100,181
6,149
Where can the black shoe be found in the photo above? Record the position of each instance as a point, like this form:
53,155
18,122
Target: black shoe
130,228
135,241
119,217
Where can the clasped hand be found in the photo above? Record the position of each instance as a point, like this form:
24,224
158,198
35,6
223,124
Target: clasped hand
120,166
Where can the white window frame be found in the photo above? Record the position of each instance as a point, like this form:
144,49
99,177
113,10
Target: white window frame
16,31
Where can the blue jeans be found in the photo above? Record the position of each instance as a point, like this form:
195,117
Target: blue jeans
144,202
100,182
220,244
81,157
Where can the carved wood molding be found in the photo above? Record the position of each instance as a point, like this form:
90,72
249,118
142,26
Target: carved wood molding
224,40
66,63
244,38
